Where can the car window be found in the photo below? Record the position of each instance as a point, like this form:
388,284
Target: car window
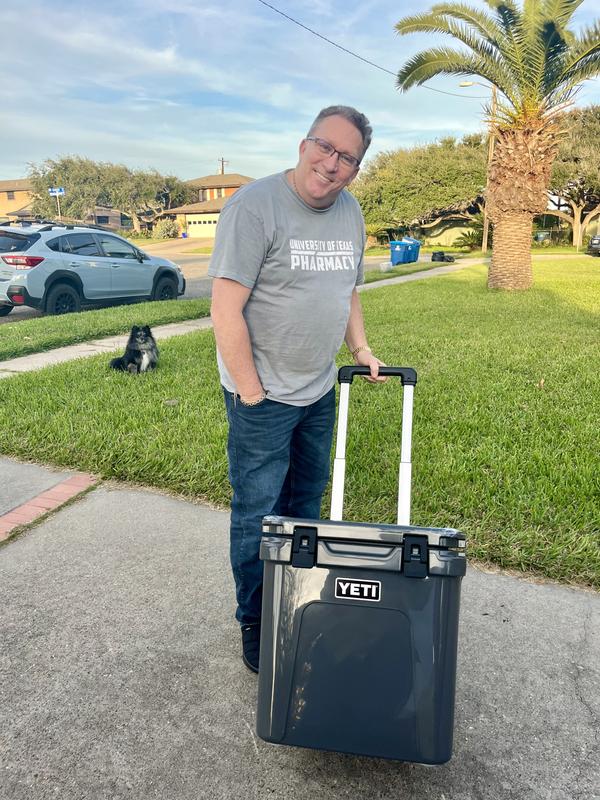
115,248
80,244
11,242
54,244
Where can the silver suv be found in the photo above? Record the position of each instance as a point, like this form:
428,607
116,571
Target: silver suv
59,268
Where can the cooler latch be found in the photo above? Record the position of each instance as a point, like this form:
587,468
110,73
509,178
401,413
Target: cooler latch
304,546
415,556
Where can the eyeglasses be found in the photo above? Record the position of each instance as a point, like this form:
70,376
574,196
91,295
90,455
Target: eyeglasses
328,150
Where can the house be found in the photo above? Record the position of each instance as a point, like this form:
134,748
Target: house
213,187
199,220
16,199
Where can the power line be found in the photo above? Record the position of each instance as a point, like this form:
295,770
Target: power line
360,58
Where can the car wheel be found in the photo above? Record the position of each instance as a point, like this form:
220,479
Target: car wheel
165,289
63,299
5,310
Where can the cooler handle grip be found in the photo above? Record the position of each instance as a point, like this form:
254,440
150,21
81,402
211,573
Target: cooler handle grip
409,380
407,375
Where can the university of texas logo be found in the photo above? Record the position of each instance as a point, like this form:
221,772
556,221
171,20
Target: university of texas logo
320,255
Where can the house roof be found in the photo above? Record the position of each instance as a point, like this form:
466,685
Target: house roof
226,181
207,207
16,185
22,213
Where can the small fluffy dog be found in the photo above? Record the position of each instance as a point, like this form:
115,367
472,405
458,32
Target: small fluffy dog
141,352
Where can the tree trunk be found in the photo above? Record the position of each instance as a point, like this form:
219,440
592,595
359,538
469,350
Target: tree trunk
577,227
511,257
137,226
518,178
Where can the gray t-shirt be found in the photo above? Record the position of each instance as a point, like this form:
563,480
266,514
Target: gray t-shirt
302,265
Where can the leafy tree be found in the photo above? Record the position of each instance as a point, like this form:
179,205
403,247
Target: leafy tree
576,171
81,179
536,62
398,187
143,195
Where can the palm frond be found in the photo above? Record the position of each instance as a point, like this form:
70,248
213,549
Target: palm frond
509,22
446,61
485,25
560,11
508,14
586,68
477,20
583,50
480,46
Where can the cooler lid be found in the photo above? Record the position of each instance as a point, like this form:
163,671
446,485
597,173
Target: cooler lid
442,538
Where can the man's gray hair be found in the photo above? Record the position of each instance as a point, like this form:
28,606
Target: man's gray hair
360,122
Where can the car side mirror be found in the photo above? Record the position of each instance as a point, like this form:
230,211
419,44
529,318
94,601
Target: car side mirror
140,256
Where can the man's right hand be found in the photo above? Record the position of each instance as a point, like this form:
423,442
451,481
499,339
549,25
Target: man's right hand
252,399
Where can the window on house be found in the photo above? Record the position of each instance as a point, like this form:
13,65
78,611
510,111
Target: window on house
10,195
102,220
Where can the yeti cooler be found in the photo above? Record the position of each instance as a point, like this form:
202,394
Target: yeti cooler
360,623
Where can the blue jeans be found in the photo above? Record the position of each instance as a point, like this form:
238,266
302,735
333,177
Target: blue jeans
278,464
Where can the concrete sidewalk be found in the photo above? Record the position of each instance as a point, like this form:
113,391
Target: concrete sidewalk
121,676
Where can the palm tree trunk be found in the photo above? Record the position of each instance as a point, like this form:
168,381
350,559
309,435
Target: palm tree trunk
511,257
518,178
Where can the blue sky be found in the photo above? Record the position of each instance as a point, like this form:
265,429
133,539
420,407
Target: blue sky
177,84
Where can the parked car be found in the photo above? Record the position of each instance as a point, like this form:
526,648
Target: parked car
60,268
593,248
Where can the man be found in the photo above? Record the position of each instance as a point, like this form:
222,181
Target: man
287,259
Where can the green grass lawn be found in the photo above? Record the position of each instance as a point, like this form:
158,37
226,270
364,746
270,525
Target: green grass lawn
45,333
506,417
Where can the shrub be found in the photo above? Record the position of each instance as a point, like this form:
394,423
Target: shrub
129,233
469,240
165,229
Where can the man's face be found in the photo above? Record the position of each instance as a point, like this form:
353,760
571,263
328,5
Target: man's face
320,178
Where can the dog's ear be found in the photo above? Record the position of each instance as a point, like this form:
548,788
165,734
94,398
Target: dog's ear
134,330
146,330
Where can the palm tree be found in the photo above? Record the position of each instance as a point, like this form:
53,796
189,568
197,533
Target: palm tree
537,63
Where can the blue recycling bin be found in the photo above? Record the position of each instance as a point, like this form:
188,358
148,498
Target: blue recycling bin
404,251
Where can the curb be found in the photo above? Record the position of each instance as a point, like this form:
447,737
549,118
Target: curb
40,505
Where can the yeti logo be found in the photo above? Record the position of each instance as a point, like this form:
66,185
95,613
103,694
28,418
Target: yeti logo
348,589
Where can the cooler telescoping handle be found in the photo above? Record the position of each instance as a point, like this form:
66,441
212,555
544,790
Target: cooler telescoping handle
408,377
406,374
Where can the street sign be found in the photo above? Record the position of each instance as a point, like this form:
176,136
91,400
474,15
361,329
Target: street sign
56,191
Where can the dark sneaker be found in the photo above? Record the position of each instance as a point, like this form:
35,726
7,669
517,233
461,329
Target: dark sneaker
251,645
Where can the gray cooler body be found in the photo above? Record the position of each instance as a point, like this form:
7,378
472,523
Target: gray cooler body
358,652
360,623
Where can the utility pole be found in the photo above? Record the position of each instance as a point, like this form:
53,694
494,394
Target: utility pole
222,162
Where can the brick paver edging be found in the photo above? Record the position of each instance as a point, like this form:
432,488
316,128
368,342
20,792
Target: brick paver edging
47,501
